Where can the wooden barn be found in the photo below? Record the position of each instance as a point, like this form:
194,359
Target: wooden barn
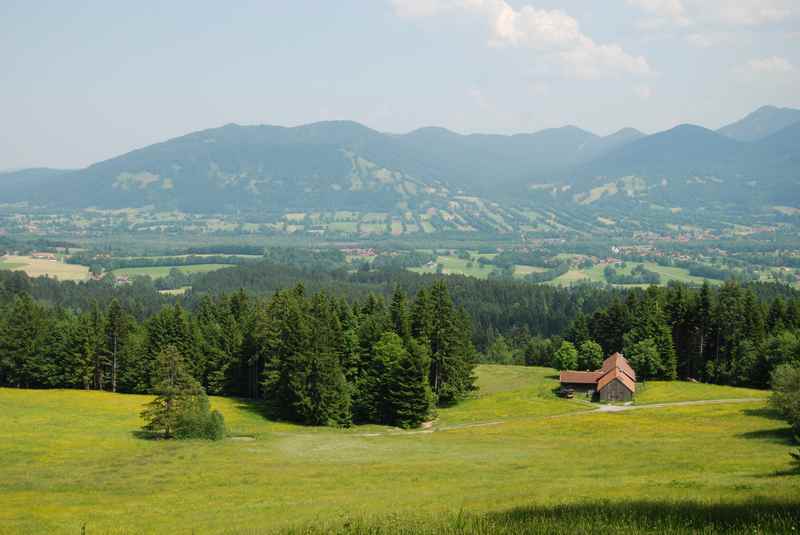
615,381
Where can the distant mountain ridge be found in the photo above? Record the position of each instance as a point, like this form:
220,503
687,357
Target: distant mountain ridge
761,123
343,165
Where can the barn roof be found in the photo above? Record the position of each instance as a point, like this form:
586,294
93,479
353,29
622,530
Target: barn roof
617,361
580,377
616,373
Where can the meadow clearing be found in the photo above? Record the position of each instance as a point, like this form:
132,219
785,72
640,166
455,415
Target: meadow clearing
595,274
452,265
514,459
157,272
36,267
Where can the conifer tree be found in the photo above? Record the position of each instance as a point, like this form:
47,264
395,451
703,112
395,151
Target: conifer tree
373,388
116,331
181,406
286,354
578,331
422,316
328,392
702,324
20,343
451,349
649,322
409,393
398,311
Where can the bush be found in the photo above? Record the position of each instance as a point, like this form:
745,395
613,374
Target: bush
209,425
566,358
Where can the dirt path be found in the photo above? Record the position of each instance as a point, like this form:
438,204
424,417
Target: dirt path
622,408
430,427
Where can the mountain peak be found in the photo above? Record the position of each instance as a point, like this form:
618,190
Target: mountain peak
761,123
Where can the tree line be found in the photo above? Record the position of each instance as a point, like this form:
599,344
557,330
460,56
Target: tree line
313,358
724,335
514,321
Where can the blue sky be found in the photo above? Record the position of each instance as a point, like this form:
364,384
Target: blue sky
84,81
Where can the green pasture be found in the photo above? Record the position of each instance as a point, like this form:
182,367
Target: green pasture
452,265
671,391
159,272
4,264
595,274
514,459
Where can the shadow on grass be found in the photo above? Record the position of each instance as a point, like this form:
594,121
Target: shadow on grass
779,435
147,435
765,412
260,408
618,517
679,517
253,406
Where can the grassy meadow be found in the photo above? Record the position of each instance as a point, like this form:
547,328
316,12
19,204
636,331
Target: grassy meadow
596,274
158,272
672,391
514,459
452,265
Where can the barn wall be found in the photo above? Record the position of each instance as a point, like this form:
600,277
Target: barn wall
615,391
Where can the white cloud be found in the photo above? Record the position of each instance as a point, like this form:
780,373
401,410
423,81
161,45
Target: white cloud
771,65
553,32
672,10
728,12
754,12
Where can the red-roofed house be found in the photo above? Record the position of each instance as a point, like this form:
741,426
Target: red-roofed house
614,381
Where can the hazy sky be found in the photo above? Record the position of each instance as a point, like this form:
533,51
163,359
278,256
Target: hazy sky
84,81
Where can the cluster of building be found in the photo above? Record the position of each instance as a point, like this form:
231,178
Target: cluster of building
357,251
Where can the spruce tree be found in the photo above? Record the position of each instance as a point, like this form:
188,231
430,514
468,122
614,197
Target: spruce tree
20,342
452,358
328,393
409,393
286,354
181,406
649,322
578,331
398,311
116,331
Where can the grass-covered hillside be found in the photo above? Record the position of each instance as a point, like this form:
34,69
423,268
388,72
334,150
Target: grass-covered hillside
515,459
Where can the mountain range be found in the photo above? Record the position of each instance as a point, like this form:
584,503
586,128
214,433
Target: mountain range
342,165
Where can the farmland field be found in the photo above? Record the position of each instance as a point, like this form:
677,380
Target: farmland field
73,457
452,265
595,274
35,267
158,272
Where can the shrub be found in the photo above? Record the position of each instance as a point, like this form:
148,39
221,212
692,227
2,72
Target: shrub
209,425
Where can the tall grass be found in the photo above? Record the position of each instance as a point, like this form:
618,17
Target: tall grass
630,518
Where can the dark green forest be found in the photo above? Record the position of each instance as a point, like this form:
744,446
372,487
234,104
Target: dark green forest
313,359
385,346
